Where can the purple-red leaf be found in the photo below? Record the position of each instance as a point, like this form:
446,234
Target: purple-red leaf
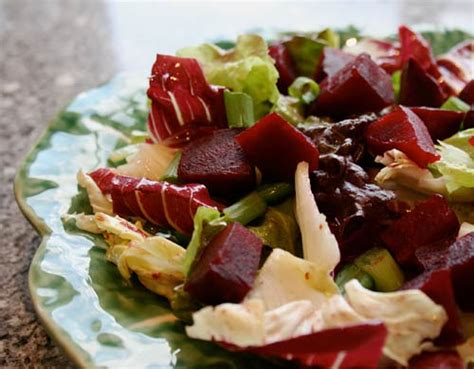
160,203
445,359
456,66
183,104
283,64
355,346
331,61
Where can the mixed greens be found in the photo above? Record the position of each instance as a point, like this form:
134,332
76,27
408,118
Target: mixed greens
310,199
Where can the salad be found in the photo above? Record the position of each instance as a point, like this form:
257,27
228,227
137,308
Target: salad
306,199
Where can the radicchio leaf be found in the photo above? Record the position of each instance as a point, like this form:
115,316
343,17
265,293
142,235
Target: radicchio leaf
456,66
183,104
161,203
346,347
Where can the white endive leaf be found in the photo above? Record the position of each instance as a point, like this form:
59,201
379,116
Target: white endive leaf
411,318
150,161
319,244
285,278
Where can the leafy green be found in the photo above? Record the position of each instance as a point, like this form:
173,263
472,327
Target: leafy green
305,49
278,230
246,68
290,109
171,172
456,104
246,209
396,80
239,109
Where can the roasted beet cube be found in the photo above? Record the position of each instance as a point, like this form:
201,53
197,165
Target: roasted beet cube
217,161
438,286
431,221
441,123
403,130
445,359
418,88
276,148
469,121
361,86
460,259
467,94
226,269
330,62
284,65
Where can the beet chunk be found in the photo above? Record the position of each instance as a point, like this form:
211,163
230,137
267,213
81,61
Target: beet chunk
276,148
330,62
441,123
431,221
469,120
226,269
217,161
284,65
418,88
438,286
361,86
467,93
446,359
460,259
403,130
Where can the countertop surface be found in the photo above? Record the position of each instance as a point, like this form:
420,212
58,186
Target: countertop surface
50,50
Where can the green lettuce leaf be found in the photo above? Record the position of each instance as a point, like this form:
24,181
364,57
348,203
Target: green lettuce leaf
305,49
456,165
246,68
290,108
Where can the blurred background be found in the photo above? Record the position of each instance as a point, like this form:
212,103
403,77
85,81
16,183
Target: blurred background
50,50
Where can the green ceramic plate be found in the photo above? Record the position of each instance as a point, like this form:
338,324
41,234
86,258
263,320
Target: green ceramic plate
91,312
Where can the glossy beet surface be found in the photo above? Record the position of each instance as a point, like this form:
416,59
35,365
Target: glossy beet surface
403,130
430,222
438,286
361,86
217,161
467,94
441,123
276,148
419,88
226,269
284,65
331,61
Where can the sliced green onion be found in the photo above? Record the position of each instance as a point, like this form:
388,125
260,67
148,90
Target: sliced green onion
304,89
275,192
239,109
383,269
352,271
456,104
396,80
171,173
247,209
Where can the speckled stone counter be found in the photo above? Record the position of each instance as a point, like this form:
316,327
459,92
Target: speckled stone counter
49,52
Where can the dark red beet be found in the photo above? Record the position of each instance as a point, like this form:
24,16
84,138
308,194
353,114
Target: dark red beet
361,86
349,347
467,94
445,359
276,148
284,65
431,221
460,259
414,46
217,161
403,130
469,120
441,123
330,62
418,88
456,66
438,286
226,269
